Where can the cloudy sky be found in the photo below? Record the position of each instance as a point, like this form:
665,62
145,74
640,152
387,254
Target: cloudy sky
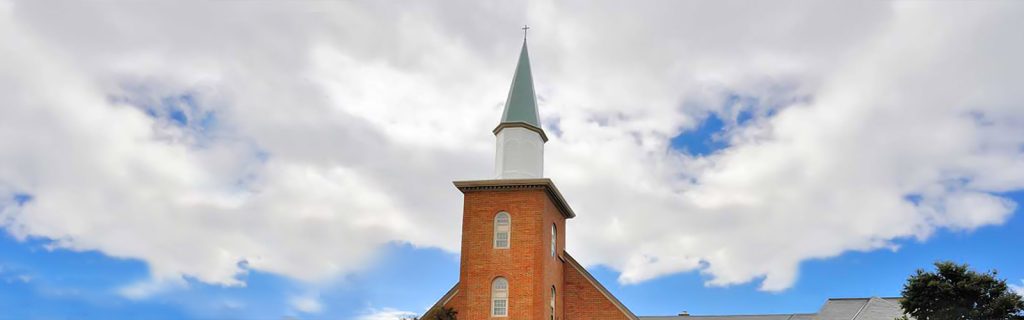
265,159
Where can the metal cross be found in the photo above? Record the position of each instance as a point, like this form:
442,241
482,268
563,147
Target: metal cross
525,28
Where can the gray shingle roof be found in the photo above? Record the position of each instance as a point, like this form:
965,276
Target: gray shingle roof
881,309
845,309
861,309
834,309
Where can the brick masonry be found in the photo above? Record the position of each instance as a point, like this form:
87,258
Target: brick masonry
583,301
527,265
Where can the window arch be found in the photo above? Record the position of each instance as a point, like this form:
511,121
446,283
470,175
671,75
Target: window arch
502,230
499,297
554,239
552,302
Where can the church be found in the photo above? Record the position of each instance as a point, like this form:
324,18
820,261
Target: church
514,264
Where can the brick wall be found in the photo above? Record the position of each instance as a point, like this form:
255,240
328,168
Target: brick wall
528,265
553,266
583,301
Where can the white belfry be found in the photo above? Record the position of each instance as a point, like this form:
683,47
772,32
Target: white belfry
520,139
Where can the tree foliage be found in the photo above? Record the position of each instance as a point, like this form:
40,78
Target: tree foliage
955,292
446,313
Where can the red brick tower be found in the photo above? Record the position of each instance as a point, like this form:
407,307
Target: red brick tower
512,226
513,261
529,265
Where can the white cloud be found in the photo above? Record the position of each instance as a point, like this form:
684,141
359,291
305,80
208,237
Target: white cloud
386,314
874,122
13,275
1018,289
307,304
147,288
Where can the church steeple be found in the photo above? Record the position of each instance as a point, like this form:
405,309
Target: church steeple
520,138
521,105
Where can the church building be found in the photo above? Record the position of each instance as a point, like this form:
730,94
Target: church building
514,264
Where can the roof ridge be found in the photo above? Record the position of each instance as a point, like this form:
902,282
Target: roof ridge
884,300
865,306
444,299
590,278
864,298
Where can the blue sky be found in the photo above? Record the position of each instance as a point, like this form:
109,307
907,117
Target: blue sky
277,159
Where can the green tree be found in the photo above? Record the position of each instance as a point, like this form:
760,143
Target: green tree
447,313
955,292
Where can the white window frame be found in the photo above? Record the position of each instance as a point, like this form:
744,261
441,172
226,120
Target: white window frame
499,295
554,239
506,229
552,302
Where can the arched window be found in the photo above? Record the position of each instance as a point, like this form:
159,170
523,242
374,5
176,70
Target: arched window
499,297
554,239
552,302
502,230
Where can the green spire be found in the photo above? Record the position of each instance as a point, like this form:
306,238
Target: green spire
521,105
